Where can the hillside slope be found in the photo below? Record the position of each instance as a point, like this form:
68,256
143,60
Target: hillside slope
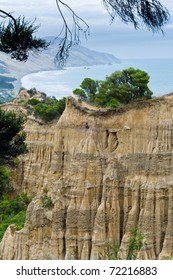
79,56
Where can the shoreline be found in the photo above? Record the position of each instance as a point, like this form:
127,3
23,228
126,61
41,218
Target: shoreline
21,73
18,83
159,70
63,85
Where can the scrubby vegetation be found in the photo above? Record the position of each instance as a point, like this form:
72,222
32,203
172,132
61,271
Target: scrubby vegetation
50,109
12,137
12,211
120,88
4,180
136,243
46,199
12,144
46,108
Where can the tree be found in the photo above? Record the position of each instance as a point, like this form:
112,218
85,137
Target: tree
149,13
128,85
49,108
136,83
136,243
90,88
11,135
16,37
120,87
4,179
11,144
80,93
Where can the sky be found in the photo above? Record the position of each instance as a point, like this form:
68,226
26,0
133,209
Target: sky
119,39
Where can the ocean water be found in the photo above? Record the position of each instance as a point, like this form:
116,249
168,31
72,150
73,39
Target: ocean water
62,82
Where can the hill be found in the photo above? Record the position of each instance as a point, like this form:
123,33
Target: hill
12,71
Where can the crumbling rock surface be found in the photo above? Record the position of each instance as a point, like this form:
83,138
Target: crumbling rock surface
106,172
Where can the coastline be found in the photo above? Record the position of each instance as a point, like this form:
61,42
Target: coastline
159,70
61,82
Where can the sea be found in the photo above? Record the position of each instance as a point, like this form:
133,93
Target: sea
60,83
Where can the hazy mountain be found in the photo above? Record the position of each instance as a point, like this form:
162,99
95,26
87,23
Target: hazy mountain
79,56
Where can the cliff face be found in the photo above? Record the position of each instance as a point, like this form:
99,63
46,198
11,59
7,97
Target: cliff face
106,173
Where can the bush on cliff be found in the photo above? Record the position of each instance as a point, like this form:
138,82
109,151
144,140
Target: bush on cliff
12,137
12,144
12,211
4,179
121,87
47,109
136,243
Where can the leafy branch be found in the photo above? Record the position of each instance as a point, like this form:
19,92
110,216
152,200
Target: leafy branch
150,13
16,37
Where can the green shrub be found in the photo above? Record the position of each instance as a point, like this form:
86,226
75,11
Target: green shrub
45,112
4,179
46,200
12,136
136,243
13,211
121,87
18,220
111,252
48,109
33,101
32,92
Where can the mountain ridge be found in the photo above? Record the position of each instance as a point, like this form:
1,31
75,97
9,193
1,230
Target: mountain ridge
45,61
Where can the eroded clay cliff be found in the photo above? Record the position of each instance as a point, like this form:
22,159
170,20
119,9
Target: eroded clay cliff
106,172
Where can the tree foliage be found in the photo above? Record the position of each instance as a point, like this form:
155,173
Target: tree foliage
13,211
136,243
16,38
12,136
4,179
48,109
88,89
120,87
12,144
149,13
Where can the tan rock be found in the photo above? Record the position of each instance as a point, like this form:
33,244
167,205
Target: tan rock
107,172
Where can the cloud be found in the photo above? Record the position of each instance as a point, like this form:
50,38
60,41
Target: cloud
118,38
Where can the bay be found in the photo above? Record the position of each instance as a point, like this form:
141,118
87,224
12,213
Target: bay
62,82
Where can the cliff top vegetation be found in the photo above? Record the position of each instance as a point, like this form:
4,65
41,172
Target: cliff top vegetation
118,89
41,106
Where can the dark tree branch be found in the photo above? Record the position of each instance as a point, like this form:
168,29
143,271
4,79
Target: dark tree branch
70,36
4,14
16,37
149,13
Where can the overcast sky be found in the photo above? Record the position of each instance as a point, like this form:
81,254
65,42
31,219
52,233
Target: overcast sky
116,38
